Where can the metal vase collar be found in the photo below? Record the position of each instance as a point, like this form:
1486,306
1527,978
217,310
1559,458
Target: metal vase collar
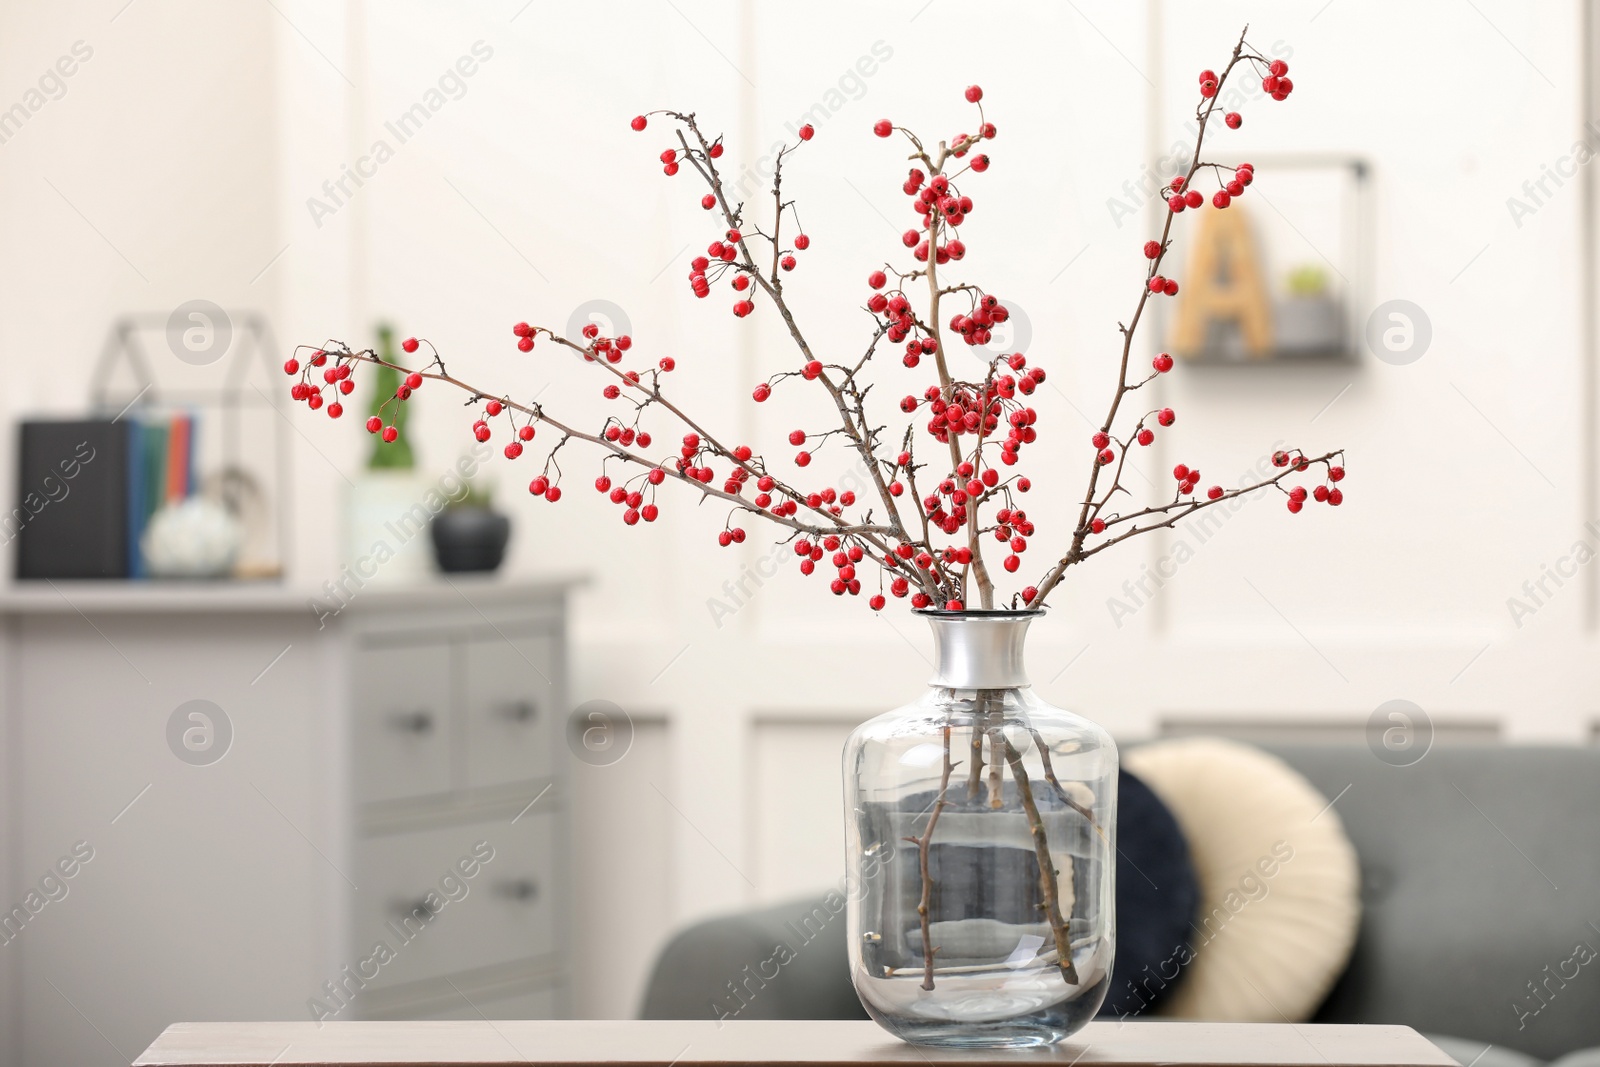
979,649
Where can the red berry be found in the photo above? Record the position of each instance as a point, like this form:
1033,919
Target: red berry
802,242
314,401
1152,249
787,262
291,366
409,344
1100,440
335,409
708,201
910,238
1215,492
797,437
1207,75
413,380
761,392
1162,363
1176,203
1166,417
1208,88
1336,474
1220,198
390,434
638,122
1171,288
883,127
1028,594
807,132
877,279
493,407
1146,436
1233,119
513,449
374,424
1278,67
974,94
954,605
1335,497
526,433
1181,472
1194,198
1156,284
1295,505
525,343
1107,456
803,459
1097,526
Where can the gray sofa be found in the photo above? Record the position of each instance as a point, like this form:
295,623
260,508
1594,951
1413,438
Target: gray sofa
1481,909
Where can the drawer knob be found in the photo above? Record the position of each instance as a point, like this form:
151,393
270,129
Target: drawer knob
518,889
413,722
406,909
520,710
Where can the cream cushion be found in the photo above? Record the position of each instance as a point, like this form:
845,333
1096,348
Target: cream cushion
1279,880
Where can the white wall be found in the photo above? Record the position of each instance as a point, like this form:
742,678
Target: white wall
194,137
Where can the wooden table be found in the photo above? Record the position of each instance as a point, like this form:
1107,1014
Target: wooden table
836,1044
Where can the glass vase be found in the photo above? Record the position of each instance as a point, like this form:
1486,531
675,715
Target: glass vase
981,842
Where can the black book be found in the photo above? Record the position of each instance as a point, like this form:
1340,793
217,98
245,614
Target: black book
71,514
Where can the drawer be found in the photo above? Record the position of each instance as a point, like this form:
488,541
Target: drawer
402,721
505,912
511,692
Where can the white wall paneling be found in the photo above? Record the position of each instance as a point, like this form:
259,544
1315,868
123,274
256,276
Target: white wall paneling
196,136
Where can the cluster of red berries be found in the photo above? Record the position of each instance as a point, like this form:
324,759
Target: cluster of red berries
1181,195
937,202
1189,477
703,270
339,378
632,501
1277,84
844,560
1013,529
1322,494
967,418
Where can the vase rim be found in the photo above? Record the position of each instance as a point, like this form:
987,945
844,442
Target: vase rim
974,614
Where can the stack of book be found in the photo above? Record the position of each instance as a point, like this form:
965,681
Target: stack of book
87,489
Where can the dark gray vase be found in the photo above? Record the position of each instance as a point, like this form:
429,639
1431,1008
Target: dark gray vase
469,538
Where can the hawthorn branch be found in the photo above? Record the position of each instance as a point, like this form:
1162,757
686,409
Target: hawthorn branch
1075,552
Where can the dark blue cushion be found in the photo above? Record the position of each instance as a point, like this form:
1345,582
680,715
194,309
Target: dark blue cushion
1157,894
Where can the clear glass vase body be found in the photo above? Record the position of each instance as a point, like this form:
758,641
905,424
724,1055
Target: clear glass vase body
981,843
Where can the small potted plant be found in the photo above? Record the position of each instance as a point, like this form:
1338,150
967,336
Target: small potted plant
381,540
469,535
1310,319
